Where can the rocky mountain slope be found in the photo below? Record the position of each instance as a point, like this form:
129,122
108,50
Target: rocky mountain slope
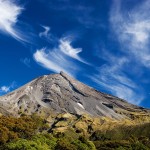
60,93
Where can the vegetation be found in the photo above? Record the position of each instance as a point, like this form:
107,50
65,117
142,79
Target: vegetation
34,133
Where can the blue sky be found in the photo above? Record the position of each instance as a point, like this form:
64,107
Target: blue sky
102,43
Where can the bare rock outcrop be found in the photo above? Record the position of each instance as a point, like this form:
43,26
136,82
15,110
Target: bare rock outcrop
60,93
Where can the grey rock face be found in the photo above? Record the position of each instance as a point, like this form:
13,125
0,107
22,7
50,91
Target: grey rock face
61,93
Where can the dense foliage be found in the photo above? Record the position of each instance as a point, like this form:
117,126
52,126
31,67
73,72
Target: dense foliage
33,133
136,137
23,127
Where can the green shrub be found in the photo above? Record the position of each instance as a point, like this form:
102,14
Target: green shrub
23,144
37,142
139,146
24,127
64,144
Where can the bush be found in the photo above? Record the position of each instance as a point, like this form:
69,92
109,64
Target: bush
37,142
24,127
23,144
64,144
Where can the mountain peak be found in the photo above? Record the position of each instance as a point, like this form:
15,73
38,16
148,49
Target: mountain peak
65,75
61,73
61,93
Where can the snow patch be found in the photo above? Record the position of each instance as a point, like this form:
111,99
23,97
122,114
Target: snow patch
79,104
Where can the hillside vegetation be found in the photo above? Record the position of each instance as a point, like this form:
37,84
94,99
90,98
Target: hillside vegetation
70,132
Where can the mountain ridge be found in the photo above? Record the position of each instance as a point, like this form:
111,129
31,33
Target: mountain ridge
60,93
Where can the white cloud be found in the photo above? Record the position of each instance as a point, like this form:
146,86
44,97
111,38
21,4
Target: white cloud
55,60
117,89
45,33
139,31
133,30
48,36
111,76
66,47
9,12
25,61
4,89
64,44
61,58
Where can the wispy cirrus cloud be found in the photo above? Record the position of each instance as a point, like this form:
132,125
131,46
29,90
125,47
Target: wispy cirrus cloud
111,76
62,57
47,36
133,30
66,47
9,13
55,60
76,8
26,61
5,89
45,33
